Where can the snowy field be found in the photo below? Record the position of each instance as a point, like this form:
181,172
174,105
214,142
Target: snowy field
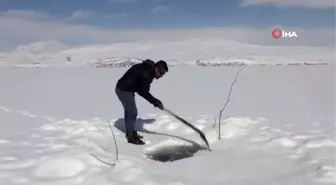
277,129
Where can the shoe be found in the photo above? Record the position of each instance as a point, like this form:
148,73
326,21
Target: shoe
135,141
136,135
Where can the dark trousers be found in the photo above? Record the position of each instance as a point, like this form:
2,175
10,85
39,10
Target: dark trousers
127,100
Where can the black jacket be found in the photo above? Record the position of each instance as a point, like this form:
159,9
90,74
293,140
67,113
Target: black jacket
138,79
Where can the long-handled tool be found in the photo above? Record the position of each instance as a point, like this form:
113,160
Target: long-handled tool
190,125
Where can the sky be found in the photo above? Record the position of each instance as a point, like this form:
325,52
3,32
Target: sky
76,22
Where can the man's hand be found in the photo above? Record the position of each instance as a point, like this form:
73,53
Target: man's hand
159,104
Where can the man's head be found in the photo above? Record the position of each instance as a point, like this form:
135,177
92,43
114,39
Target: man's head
161,68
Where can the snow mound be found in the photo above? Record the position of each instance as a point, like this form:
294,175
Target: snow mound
238,127
60,167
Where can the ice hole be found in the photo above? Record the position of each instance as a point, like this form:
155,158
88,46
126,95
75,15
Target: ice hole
169,151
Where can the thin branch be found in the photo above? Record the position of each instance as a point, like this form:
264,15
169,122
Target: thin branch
111,164
117,152
227,101
115,141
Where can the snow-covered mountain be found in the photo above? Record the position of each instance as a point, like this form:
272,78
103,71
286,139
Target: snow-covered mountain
184,52
42,48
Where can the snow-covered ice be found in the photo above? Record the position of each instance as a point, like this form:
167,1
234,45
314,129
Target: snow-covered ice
278,127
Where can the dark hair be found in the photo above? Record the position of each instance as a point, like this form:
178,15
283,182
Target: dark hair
162,64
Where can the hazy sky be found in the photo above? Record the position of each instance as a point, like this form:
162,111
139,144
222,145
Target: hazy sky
104,21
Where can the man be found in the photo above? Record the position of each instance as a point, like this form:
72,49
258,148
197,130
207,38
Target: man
137,79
